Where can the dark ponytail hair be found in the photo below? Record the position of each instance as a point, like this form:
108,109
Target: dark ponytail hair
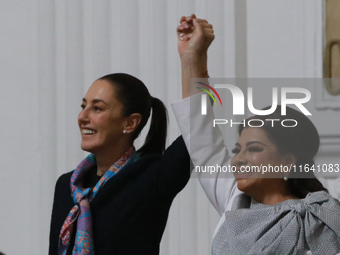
302,141
135,98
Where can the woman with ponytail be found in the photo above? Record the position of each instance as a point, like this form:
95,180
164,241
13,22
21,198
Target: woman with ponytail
117,200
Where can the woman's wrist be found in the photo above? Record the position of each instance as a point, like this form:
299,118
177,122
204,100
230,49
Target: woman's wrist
193,66
196,63
194,55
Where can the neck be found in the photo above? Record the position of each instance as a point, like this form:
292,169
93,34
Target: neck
273,194
273,199
106,159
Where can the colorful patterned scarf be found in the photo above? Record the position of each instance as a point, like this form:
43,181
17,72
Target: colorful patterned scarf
82,198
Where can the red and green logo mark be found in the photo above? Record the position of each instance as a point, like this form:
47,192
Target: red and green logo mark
208,92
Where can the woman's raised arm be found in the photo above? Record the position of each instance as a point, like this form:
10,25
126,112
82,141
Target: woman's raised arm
194,38
205,143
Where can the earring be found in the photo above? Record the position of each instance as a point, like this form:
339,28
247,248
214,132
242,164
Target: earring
285,178
124,131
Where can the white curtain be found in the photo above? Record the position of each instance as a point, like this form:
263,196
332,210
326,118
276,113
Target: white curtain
52,51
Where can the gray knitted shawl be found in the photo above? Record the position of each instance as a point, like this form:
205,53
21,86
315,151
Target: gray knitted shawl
290,227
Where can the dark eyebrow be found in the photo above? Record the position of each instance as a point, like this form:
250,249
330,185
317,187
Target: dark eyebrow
250,143
96,101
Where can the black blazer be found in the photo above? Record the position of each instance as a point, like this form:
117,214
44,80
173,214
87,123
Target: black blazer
130,211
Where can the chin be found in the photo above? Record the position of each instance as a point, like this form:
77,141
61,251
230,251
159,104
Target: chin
86,147
243,184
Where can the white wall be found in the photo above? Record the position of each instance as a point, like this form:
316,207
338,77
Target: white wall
51,52
285,40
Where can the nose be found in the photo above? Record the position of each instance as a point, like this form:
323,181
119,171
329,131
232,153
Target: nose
239,159
83,117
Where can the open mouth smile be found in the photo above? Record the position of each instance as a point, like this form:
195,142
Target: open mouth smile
87,131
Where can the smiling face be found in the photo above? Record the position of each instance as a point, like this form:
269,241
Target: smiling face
254,148
100,121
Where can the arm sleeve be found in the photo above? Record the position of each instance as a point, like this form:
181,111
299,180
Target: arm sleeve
54,232
206,148
173,169
62,204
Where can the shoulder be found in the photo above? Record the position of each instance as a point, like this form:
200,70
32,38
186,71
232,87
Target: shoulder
62,187
64,178
167,173
177,151
322,198
63,201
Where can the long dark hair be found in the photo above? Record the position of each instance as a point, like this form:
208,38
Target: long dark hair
135,98
302,141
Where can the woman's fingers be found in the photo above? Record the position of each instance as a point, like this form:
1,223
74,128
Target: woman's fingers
203,33
204,26
186,28
196,26
187,18
198,29
184,33
207,25
186,37
208,30
196,34
185,24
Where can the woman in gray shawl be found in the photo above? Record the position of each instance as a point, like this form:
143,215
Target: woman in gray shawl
281,214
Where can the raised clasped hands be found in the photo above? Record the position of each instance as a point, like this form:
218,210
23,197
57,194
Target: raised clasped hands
194,36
